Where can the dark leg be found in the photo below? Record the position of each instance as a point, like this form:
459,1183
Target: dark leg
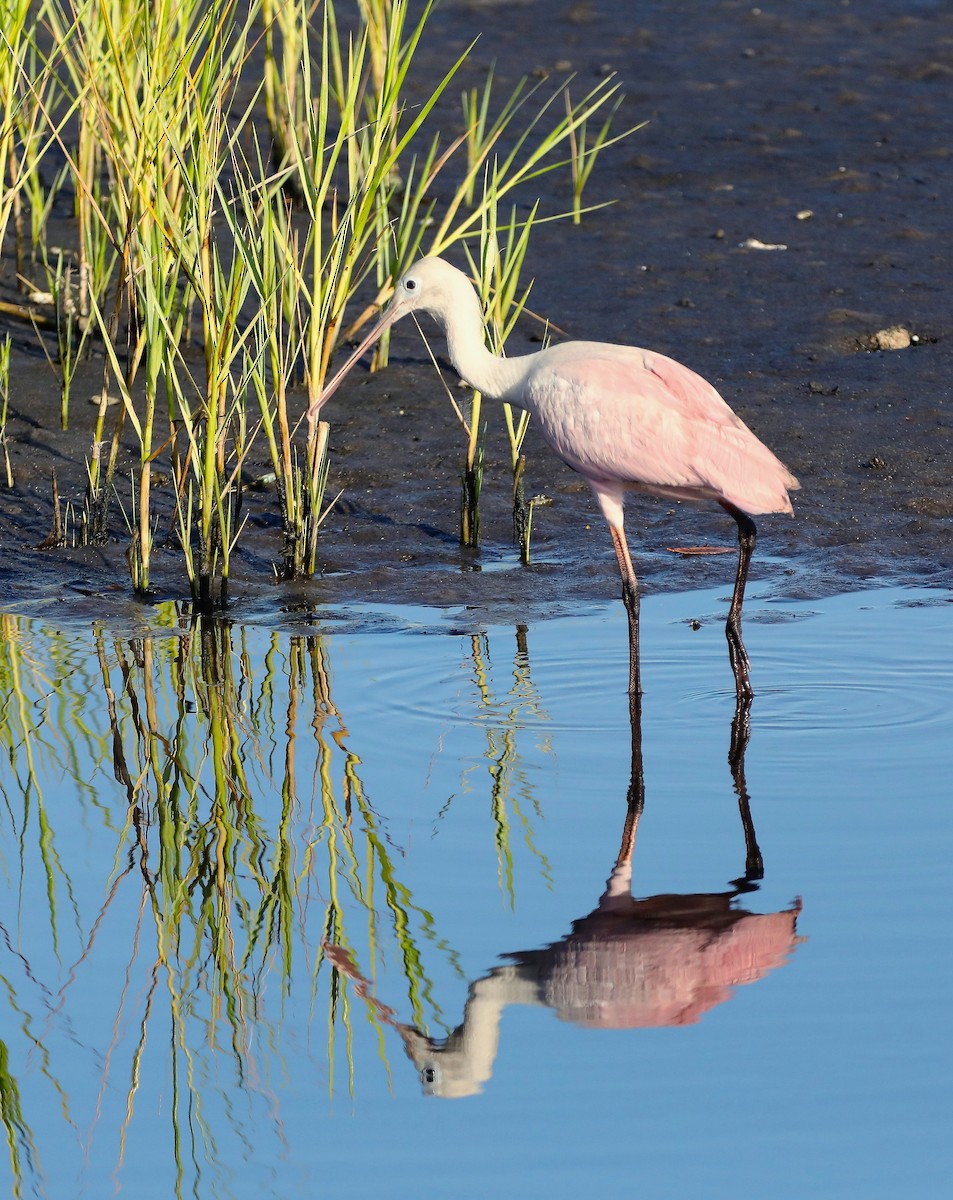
740,735
636,793
630,595
747,534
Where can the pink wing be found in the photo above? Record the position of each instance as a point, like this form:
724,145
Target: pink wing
637,419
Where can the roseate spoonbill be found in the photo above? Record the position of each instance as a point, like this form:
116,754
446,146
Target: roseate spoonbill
626,419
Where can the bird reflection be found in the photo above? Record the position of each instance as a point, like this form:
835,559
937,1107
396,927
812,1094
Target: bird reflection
630,963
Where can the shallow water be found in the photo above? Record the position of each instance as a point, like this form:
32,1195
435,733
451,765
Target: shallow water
252,879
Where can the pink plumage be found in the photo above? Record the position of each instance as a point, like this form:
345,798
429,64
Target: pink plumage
635,420
626,419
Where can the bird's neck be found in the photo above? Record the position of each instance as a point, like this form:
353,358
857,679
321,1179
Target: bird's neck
496,377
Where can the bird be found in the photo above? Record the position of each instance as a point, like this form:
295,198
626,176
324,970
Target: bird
625,418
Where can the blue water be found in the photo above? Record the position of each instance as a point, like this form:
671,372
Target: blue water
423,800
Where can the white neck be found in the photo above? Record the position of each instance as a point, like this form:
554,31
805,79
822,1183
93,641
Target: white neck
497,378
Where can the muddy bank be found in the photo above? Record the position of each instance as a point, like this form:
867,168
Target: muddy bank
822,131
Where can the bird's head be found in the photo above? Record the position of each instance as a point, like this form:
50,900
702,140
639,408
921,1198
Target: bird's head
432,286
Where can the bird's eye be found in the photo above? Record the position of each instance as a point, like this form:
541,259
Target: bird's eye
410,285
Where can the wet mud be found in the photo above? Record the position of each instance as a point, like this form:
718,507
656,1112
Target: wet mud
786,206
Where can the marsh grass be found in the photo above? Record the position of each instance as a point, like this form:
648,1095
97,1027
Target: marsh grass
71,330
503,298
232,224
26,84
585,146
4,403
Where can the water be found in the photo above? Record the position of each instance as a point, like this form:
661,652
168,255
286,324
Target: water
199,826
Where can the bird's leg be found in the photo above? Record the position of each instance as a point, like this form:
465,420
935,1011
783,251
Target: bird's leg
740,736
747,534
619,883
630,596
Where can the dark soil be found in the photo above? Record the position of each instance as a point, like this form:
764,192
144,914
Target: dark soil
817,126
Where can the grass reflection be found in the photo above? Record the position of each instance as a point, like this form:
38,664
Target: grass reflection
193,802
19,1139
511,794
